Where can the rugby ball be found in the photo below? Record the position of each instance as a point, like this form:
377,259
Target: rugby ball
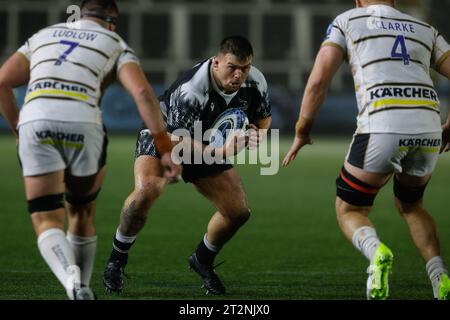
227,122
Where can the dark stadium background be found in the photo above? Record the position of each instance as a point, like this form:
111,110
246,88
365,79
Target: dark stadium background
170,36
292,247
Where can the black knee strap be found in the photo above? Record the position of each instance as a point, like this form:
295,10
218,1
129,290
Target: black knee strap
354,191
46,203
81,200
408,194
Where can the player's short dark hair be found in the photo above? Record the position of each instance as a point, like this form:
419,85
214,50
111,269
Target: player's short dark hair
100,7
236,45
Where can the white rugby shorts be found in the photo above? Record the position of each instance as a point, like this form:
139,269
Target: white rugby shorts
47,146
413,154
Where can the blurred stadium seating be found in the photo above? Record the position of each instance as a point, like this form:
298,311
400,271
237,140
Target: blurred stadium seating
171,36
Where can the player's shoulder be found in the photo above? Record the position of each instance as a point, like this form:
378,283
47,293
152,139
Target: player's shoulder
256,79
194,85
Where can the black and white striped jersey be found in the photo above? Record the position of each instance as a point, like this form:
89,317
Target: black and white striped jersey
390,54
194,98
69,66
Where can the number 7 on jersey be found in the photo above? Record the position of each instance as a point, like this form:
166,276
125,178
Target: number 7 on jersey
72,46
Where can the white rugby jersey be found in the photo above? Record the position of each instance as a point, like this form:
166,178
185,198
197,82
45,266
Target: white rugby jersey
69,68
390,54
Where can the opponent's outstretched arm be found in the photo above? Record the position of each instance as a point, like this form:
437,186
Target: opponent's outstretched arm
14,72
132,77
327,63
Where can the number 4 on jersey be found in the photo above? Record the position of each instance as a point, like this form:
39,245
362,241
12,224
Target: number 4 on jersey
72,46
400,42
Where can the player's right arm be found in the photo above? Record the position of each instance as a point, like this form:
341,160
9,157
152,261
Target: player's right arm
15,72
133,79
327,63
444,69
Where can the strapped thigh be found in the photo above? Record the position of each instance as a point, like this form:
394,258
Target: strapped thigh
354,191
46,203
81,200
408,194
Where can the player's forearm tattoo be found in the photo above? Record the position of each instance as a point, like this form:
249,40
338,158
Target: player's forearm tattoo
132,221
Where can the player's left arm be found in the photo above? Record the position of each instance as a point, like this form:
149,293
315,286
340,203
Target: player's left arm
327,63
263,123
15,72
257,131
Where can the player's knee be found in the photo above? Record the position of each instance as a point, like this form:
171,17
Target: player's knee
46,203
408,199
245,215
346,211
148,191
241,216
81,201
404,208
353,191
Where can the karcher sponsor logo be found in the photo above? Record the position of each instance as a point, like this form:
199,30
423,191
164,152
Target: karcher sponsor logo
419,143
408,92
57,86
58,89
70,140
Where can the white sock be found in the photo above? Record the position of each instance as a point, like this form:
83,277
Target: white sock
436,268
57,252
365,239
124,239
84,250
210,246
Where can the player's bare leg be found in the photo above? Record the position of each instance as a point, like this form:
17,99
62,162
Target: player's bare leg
359,230
423,232
352,218
149,184
81,193
45,201
226,192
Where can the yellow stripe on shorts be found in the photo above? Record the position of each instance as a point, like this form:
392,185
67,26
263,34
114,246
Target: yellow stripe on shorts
63,143
422,149
76,95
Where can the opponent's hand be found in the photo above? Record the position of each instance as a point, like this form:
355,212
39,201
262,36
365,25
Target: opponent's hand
172,171
445,146
297,144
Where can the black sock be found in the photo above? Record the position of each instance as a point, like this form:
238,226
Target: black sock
120,251
204,255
